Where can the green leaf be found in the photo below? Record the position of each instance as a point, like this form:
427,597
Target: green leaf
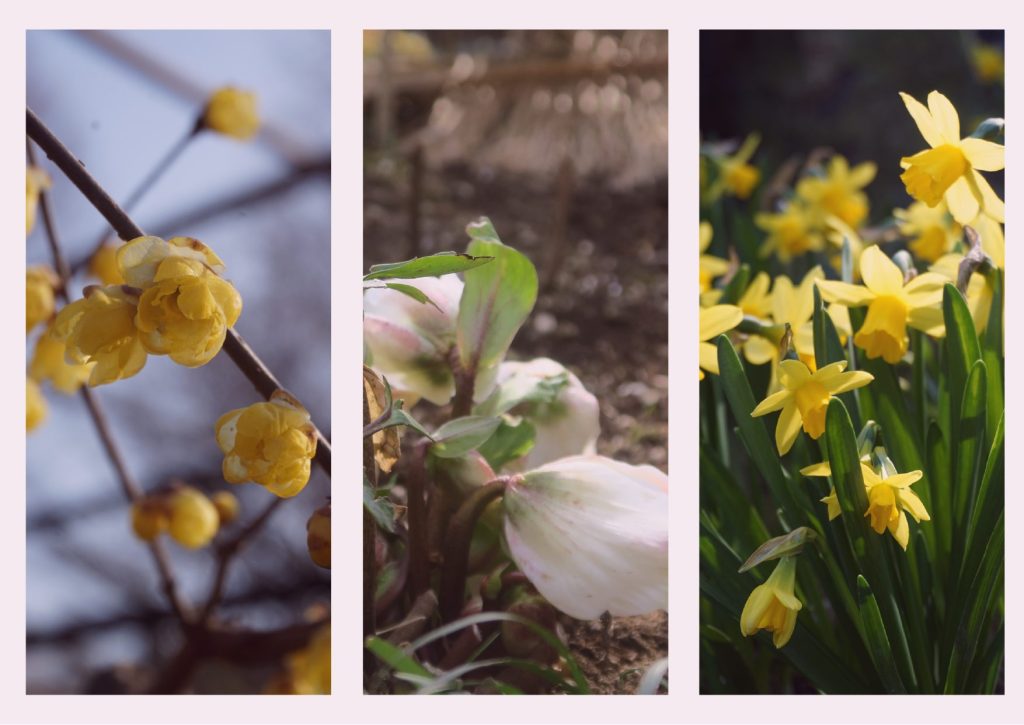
495,302
827,347
397,416
962,351
462,435
434,265
990,129
970,441
381,508
786,545
732,292
395,658
519,389
509,442
877,639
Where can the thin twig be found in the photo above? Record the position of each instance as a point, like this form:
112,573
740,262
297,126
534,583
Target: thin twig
236,348
132,490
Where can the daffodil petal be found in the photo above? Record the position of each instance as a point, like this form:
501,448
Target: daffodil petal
923,118
817,469
849,381
758,601
880,274
984,155
900,530
961,200
718,319
793,374
788,428
759,350
851,295
903,480
709,357
772,403
913,504
991,202
945,116
928,320
925,290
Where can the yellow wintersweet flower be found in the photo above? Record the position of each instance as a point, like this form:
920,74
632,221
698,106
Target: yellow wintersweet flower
310,667
49,362
103,265
772,606
804,398
36,181
710,265
792,232
892,305
949,169
40,282
889,497
150,517
713,322
933,229
100,328
318,536
35,404
839,192
227,506
193,518
269,443
232,112
139,260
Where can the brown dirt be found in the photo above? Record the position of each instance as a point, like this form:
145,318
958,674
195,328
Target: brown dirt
614,661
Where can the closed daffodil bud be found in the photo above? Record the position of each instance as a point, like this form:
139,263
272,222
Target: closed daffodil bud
40,282
269,443
35,404
410,342
568,425
226,504
591,534
150,518
49,363
193,518
103,264
36,181
100,329
773,605
318,536
232,112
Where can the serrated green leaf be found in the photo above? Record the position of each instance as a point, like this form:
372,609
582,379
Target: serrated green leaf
434,265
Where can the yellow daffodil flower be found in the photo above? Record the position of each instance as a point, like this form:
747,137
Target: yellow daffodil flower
795,306
773,606
269,443
103,265
36,181
193,518
736,175
49,363
979,291
839,192
992,241
35,404
792,232
804,398
933,229
710,265
825,469
713,322
100,329
889,498
40,302
949,169
987,61
233,113
892,305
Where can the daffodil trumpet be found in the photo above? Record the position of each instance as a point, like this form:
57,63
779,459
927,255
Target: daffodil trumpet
773,605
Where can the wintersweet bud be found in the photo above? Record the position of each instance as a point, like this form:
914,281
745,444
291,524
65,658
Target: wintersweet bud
591,534
838,192
49,363
892,305
773,606
318,536
933,229
227,506
567,426
269,443
804,398
232,112
150,517
949,169
410,342
35,404
100,329
36,181
103,264
193,518
40,302
710,266
713,322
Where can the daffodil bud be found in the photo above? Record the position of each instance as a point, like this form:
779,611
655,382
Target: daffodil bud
150,517
410,342
568,425
193,518
318,536
591,534
40,282
35,404
100,329
269,443
103,264
232,112
227,506
36,180
773,605
49,363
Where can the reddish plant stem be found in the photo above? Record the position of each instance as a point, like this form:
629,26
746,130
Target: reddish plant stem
465,382
369,539
415,485
236,348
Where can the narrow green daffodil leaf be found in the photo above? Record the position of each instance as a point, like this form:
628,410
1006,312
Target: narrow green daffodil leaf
877,639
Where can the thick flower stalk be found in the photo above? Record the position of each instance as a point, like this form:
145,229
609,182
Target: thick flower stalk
773,606
591,534
713,322
411,342
269,443
232,112
99,329
40,301
892,305
804,398
49,364
949,169
839,191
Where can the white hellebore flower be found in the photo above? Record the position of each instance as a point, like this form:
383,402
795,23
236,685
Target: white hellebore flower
567,426
591,534
409,342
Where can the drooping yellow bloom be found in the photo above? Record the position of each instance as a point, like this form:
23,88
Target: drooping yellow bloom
232,112
35,404
103,264
933,229
792,232
193,518
100,328
269,443
838,193
36,181
889,498
772,606
804,398
892,305
49,363
949,169
713,322
139,260
40,282
988,62
710,265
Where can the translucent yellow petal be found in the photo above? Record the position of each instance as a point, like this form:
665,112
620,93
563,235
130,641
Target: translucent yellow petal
793,374
788,428
851,295
914,505
927,319
759,350
782,635
984,155
900,530
757,603
817,469
880,274
718,319
945,116
772,403
925,290
990,201
863,174
708,357
903,480
923,118
849,381
961,200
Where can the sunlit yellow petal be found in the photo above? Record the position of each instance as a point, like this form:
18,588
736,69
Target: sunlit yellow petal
961,200
880,274
923,118
945,116
851,295
718,319
984,155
